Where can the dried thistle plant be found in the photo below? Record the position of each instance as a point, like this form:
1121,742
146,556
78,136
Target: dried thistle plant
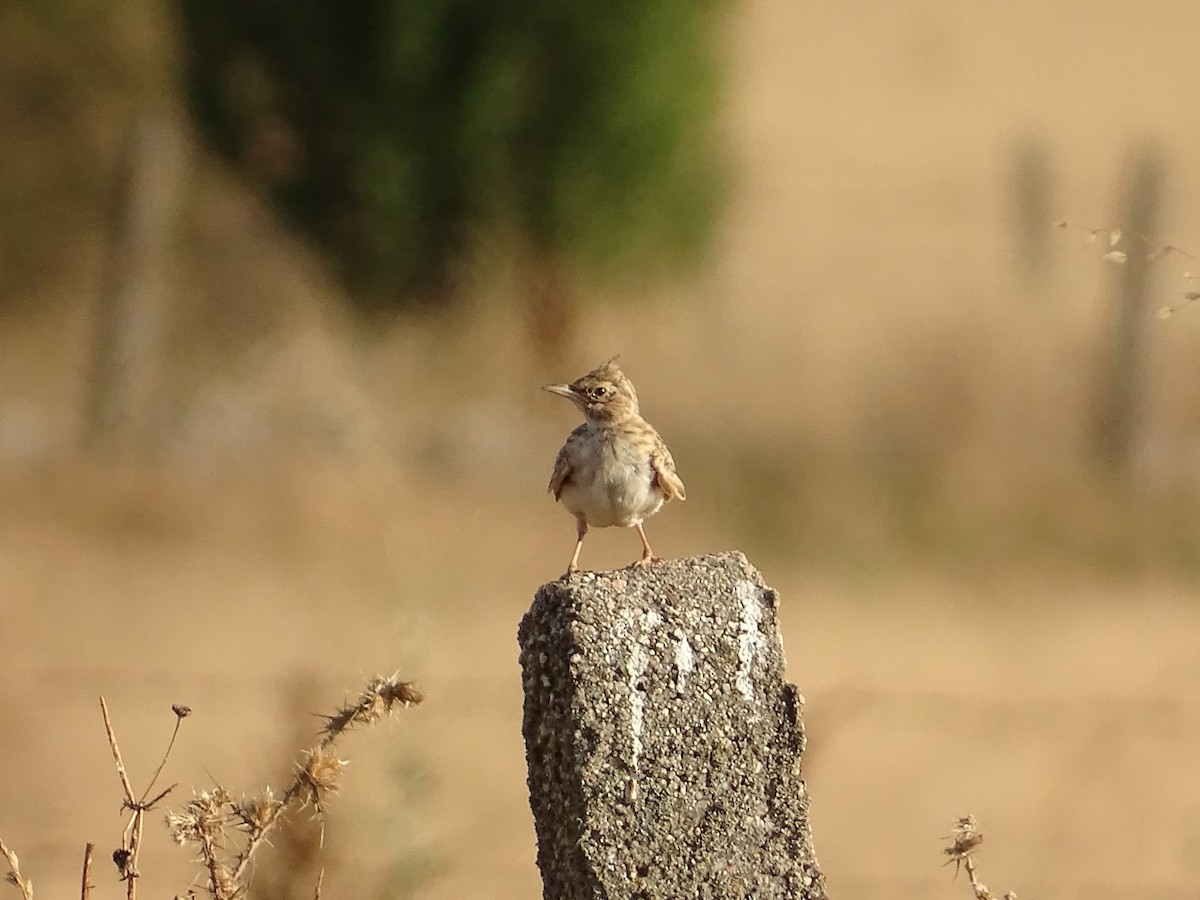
226,833
965,839
1117,245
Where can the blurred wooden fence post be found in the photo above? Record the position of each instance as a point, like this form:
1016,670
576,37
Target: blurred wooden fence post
1123,391
1031,208
662,742
126,364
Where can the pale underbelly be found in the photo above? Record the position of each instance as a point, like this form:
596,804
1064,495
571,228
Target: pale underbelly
603,504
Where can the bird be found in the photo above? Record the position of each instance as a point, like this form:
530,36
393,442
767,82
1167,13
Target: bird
614,469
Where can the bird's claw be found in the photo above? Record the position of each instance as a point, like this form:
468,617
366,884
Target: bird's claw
647,560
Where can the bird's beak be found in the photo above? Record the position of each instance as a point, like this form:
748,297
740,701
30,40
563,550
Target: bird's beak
563,390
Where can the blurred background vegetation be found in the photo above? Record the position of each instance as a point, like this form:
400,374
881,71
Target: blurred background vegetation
278,285
416,143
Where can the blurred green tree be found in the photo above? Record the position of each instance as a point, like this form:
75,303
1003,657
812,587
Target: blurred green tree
407,135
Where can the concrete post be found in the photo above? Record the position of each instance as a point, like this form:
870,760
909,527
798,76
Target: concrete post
663,743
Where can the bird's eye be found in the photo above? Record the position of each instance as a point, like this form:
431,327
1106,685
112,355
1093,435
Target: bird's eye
600,391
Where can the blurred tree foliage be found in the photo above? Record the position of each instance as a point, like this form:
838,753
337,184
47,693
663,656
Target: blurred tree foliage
408,135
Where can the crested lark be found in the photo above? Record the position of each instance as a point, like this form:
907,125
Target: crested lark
614,469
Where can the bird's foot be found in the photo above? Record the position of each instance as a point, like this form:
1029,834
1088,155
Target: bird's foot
646,560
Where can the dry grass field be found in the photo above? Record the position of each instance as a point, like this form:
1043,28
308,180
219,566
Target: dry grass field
862,393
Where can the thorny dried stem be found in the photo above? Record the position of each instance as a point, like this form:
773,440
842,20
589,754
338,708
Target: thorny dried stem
207,818
964,841
1116,244
14,877
203,820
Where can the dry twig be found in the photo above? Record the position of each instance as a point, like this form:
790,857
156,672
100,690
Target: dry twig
1117,244
126,856
85,886
14,877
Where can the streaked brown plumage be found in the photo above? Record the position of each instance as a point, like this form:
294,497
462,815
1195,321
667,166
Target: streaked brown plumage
614,469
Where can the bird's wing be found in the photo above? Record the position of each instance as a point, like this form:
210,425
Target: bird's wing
664,473
562,463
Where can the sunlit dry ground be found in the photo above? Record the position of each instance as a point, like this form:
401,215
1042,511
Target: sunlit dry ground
864,294
1061,713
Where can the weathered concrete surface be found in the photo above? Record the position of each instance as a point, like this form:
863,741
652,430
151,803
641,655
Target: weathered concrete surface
663,743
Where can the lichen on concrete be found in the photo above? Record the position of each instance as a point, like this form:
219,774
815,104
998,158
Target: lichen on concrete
663,743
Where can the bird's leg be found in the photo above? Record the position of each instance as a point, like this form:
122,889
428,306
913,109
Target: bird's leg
647,554
580,530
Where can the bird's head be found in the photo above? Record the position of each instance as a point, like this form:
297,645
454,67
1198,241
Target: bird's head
603,395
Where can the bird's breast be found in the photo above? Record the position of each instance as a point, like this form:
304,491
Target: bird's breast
612,484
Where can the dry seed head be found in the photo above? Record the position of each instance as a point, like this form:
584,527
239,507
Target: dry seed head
259,811
13,863
123,859
966,826
24,885
183,827
320,771
966,838
202,816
